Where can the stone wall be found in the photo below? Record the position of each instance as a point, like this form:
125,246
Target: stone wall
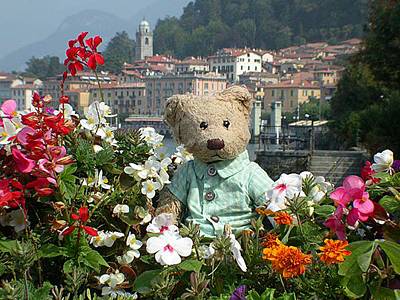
277,162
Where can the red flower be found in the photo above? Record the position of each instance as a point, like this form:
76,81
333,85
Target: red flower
24,164
64,99
81,218
367,173
11,193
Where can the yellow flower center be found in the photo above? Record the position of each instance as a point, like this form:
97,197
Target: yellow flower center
4,134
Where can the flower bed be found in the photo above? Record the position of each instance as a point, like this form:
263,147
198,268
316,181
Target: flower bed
77,218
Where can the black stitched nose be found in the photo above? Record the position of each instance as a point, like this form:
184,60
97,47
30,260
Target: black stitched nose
215,144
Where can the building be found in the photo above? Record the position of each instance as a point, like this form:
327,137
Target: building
23,93
144,41
160,88
191,65
234,62
291,93
152,65
124,98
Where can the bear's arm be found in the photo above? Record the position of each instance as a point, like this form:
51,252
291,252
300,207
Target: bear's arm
173,197
259,184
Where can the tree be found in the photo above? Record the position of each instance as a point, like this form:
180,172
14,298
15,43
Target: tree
367,103
119,50
48,66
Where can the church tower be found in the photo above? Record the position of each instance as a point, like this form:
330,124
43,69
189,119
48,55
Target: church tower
144,41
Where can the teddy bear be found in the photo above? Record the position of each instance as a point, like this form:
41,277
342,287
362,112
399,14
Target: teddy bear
220,186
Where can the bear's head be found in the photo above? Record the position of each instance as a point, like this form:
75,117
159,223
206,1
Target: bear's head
211,127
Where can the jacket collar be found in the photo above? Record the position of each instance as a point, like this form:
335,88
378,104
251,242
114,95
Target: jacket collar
225,168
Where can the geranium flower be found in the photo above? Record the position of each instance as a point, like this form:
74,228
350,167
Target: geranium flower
162,223
335,223
283,218
169,248
120,209
286,187
7,132
23,163
383,161
9,108
333,251
289,261
149,188
236,252
80,219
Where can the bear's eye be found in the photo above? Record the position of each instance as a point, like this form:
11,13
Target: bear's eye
227,124
203,125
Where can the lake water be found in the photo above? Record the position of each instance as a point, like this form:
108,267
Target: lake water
170,144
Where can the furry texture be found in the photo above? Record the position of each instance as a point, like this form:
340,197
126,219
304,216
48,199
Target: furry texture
195,120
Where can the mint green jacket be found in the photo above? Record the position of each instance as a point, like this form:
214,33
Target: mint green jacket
225,192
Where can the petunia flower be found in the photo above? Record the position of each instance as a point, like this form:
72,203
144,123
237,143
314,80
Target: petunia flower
169,248
162,223
286,187
383,161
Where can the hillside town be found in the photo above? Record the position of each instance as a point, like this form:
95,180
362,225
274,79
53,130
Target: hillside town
138,92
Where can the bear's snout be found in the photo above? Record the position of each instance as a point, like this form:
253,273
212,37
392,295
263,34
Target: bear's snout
215,144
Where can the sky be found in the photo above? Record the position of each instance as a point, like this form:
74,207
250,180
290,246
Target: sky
25,21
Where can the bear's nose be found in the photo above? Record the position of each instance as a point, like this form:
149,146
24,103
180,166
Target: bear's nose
215,144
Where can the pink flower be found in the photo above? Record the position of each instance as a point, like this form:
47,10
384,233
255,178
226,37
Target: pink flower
9,107
24,164
24,134
340,196
56,161
335,223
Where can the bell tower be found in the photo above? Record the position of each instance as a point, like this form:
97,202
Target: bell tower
144,41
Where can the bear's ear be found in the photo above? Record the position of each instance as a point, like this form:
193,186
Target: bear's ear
237,94
172,108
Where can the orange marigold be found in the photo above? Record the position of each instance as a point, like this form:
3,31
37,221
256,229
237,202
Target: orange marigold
263,211
283,218
287,260
334,251
271,240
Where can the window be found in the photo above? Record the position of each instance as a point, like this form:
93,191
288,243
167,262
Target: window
248,68
241,68
291,103
146,40
312,93
206,86
291,93
255,68
273,93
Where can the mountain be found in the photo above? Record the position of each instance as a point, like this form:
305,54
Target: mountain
95,21
208,25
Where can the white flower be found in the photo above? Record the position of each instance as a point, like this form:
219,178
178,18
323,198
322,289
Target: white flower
128,257
182,155
149,188
112,280
98,181
146,219
162,223
120,209
286,187
207,252
68,111
169,248
235,249
97,148
383,161
106,133
320,186
105,238
95,116
151,137
160,153
7,131
133,243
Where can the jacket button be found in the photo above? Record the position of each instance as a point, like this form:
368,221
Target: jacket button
211,171
210,196
215,219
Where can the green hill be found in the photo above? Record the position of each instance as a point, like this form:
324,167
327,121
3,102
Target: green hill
207,25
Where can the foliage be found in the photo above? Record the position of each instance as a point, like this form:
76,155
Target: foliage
366,104
78,218
119,50
209,25
47,66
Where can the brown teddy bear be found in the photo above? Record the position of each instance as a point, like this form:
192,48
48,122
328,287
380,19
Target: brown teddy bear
221,186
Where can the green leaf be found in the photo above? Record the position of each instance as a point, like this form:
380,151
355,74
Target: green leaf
191,265
360,258
50,250
390,204
146,280
355,286
382,293
68,181
392,250
91,258
324,210
8,245
68,266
